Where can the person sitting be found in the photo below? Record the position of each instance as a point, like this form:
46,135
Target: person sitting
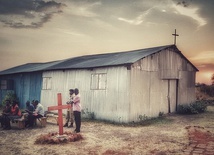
6,111
38,113
30,108
14,114
33,103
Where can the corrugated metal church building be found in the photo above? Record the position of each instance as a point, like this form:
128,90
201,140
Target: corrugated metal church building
122,86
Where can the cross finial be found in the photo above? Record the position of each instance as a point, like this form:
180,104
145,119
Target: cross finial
175,35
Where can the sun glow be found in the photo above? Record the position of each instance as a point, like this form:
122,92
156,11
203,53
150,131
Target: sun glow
204,77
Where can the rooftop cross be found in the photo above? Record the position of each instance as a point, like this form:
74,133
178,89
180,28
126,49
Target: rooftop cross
175,35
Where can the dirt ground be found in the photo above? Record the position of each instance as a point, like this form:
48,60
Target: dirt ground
168,135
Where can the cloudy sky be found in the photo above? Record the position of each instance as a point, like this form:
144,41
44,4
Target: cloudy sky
43,30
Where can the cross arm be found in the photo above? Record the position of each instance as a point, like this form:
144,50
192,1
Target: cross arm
59,107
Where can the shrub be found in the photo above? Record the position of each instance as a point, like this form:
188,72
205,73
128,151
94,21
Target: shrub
87,114
11,96
192,108
183,109
199,106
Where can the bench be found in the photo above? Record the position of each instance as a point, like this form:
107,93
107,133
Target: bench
20,123
42,120
53,116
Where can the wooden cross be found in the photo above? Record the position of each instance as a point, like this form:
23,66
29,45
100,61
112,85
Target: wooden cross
59,108
175,35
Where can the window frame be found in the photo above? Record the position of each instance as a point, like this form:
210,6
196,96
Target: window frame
3,85
100,81
46,83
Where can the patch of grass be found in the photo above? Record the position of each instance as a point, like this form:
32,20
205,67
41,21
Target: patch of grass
153,120
143,120
146,122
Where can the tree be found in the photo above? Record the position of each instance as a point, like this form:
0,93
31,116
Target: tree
212,79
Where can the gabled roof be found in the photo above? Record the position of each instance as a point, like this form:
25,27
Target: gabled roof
91,61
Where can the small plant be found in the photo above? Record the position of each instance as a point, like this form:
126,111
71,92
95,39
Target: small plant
161,114
145,120
11,96
192,108
143,117
89,115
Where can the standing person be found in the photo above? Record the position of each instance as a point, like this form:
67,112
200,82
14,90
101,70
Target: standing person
70,114
77,110
39,112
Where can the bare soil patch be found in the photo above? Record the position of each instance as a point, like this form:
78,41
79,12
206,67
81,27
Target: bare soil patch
168,135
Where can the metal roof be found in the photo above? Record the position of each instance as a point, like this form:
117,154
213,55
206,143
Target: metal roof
108,59
29,67
91,61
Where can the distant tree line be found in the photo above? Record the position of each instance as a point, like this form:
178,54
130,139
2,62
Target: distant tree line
207,89
212,79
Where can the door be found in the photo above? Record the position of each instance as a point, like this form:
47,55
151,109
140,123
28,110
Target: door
172,95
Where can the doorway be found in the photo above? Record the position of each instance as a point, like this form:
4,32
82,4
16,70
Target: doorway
172,95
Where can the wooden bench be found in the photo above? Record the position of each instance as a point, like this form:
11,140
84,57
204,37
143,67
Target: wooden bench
42,120
20,123
53,116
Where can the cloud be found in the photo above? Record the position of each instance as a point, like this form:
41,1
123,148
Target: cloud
69,32
183,3
204,62
27,13
82,8
183,8
138,20
206,67
204,57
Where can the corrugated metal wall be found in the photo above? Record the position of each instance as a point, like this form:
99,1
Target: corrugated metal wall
27,86
111,103
154,84
148,94
159,83
186,92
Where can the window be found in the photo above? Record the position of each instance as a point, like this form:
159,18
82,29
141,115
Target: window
46,83
7,84
98,81
3,84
